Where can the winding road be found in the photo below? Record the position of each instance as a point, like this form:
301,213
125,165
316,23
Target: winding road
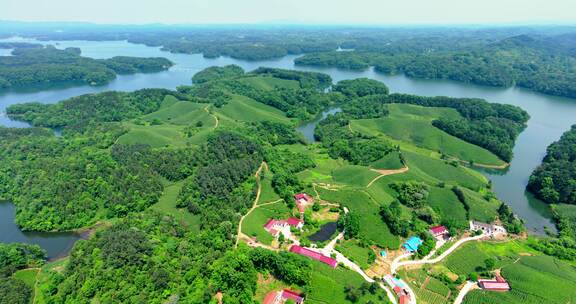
469,286
397,264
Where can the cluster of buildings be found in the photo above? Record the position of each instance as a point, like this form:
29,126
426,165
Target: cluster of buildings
275,227
282,296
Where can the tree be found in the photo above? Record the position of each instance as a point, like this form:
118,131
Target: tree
490,263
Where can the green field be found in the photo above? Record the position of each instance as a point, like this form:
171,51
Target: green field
167,204
253,224
372,228
469,256
447,205
269,83
181,113
28,276
327,286
241,108
267,193
533,280
438,170
354,251
413,124
354,175
155,136
481,209
389,162
428,289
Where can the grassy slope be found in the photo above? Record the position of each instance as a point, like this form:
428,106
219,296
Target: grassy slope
28,276
355,252
472,255
155,136
481,209
533,280
167,204
372,227
268,83
413,124
354,175
445,202
267,194
389,162
245,109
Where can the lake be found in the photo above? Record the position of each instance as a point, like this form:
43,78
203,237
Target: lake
56,244
550,116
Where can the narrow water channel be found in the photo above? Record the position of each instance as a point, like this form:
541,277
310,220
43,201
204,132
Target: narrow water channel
550,116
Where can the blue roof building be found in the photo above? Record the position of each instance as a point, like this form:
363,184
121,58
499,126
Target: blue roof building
412,243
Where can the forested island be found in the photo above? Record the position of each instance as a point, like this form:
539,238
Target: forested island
523,60
554,181
33,65
542,60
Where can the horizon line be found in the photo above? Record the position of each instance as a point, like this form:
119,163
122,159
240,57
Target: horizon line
296,23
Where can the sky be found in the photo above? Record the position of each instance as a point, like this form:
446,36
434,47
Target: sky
293,11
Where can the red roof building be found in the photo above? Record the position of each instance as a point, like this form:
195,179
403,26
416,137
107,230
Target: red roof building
499,284
289,294
404,299
275,226
303,197
314,255
438,231
279,297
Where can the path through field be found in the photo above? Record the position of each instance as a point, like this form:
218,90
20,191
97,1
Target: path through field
255,204
213,116
386,173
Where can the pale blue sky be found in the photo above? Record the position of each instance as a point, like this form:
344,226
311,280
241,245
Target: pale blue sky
292,11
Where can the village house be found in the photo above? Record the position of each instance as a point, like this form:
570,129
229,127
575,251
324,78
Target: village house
314,255
303,200
498,284
280,297
398,288
412,244
439,232
275,227
488,229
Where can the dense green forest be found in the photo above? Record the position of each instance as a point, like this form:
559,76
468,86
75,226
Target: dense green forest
524,61
32,66
555,180
540,59
13,257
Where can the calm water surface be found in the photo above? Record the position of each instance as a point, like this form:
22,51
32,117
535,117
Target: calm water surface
550,116
325,232
56,244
